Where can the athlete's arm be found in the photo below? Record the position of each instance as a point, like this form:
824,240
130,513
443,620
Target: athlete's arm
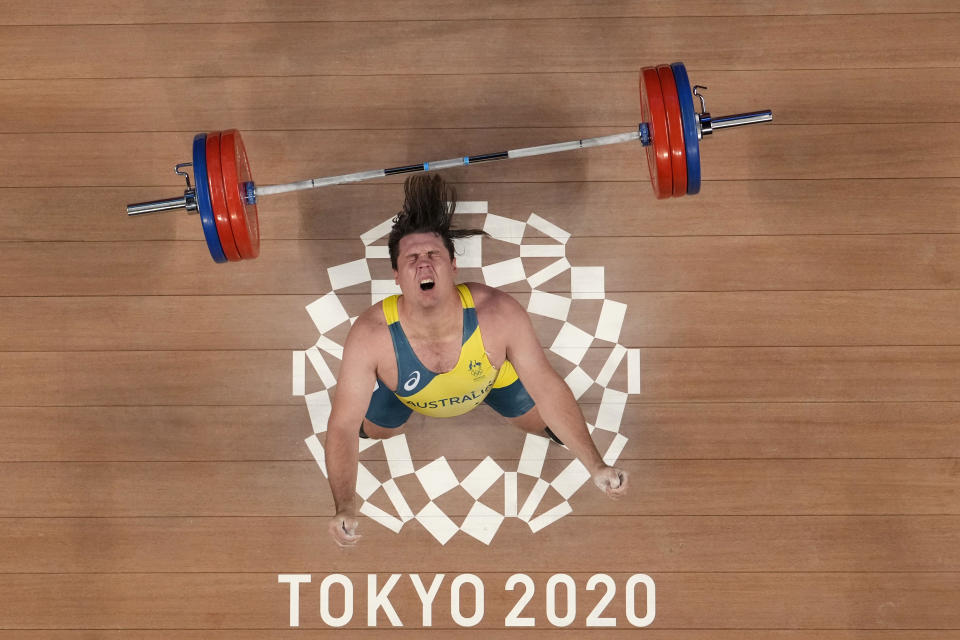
355,383
554,400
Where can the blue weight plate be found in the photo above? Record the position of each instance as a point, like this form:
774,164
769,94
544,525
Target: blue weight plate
204,206
690,139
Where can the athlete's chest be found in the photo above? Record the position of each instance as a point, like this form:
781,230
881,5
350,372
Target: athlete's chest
438,356
415,360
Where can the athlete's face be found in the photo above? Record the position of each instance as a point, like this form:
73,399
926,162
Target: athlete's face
424,266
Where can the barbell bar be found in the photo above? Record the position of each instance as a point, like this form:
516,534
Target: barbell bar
226,197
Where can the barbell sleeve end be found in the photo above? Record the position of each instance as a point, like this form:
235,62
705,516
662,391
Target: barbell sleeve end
187,201
741,119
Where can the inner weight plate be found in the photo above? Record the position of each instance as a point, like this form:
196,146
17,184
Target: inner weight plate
236,178
218,198
678,155
658,152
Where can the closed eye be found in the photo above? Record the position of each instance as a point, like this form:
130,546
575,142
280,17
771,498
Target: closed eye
431,255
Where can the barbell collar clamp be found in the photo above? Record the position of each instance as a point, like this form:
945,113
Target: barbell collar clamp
188,201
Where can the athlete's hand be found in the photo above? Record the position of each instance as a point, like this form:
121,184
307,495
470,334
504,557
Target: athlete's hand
343,528
611,481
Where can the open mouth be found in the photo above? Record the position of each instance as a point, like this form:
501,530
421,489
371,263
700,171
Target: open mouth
426,284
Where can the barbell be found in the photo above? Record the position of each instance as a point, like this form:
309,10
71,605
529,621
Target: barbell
226,197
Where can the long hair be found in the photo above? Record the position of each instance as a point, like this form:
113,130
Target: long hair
428,207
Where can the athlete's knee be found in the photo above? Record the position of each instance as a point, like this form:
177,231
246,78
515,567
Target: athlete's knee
376,432
529,421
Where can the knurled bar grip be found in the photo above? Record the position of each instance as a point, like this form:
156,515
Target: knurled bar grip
435,165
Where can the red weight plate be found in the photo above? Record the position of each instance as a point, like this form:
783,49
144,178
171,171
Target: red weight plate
658,152
678,150
236,177
218,198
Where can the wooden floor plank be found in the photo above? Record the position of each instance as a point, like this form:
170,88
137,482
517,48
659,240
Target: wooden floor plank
158,322
803,374
841,151
544,45
154,433
125,378
656,432
755,601
794,430
688,487
730,319
694,264
670,544
821,97
47,12
761,374
774,207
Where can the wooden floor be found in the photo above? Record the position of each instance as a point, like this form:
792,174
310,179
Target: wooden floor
794,447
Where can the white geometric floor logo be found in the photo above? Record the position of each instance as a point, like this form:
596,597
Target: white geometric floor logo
437,478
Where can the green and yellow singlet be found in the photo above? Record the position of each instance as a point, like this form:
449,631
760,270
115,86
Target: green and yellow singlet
454,392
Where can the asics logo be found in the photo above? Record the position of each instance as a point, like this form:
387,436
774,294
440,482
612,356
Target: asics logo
412,381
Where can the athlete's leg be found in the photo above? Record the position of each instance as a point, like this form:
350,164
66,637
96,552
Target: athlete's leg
375,431
510,399
531,422
386,416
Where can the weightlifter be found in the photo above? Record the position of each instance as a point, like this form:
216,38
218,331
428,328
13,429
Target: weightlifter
442,349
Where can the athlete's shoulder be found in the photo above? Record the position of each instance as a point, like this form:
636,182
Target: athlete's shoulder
369,329
371,318
490,301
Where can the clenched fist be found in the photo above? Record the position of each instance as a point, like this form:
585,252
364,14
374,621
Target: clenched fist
343,528
611,481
